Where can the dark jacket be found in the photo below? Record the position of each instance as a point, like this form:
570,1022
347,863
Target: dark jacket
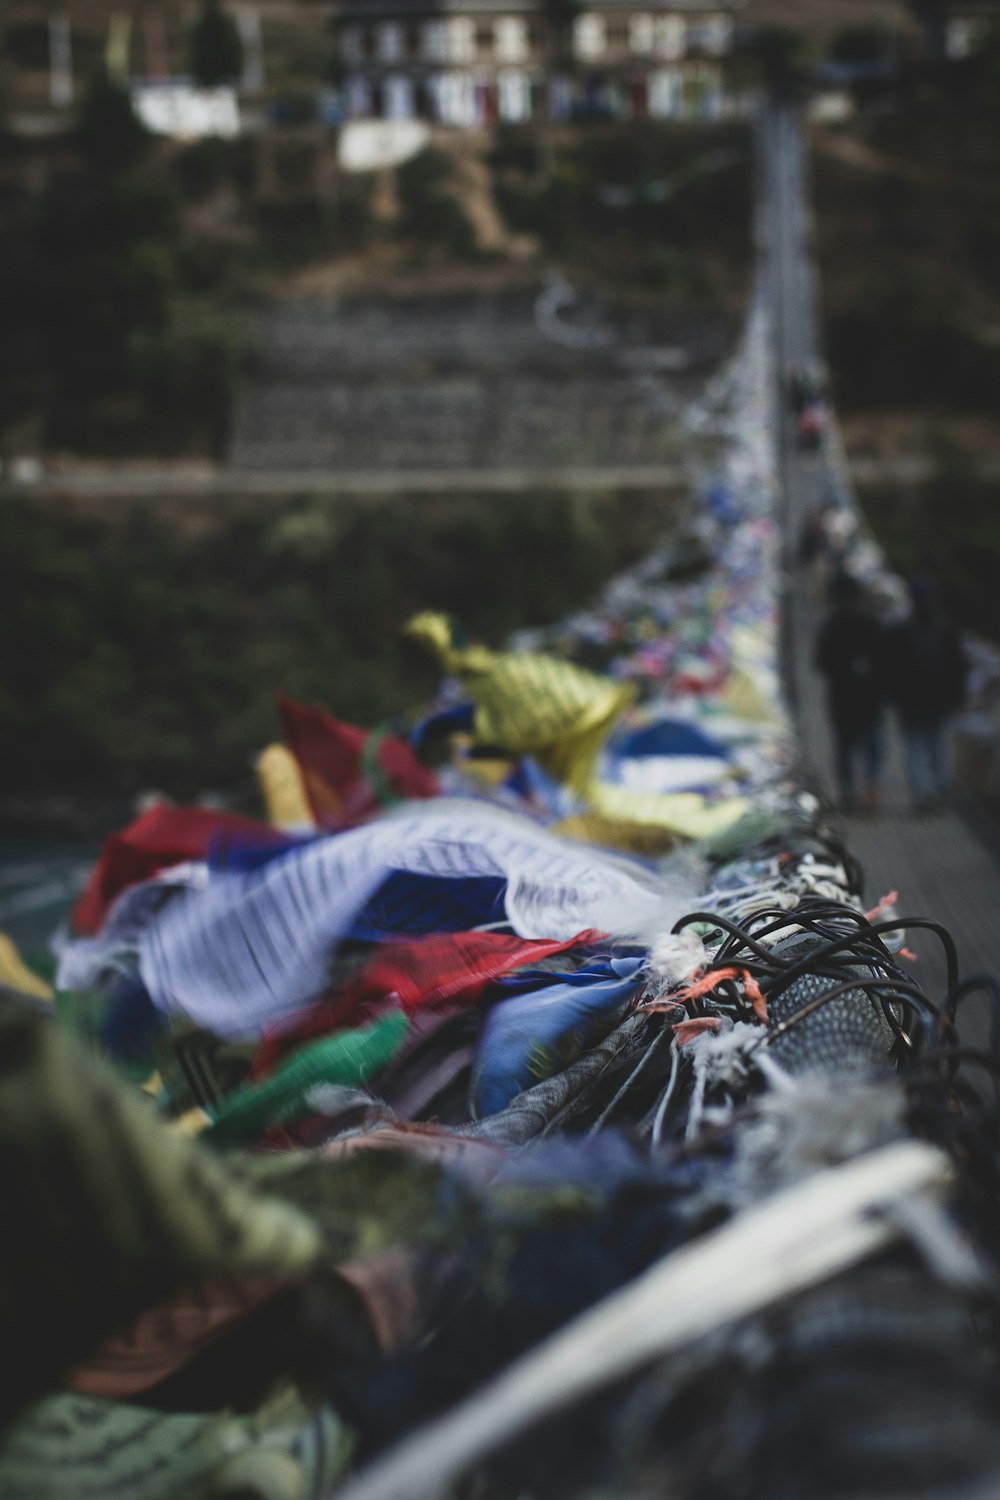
928,666
852,653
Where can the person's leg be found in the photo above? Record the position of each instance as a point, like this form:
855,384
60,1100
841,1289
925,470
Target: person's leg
843,763
937,760
873,755
916,772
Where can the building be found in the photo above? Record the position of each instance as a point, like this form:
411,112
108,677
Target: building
472,63
965,27
955,29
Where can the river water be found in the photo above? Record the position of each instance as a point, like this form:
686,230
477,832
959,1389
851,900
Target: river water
39,881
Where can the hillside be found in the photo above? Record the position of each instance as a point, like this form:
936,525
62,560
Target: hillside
912,321
144,648
129,266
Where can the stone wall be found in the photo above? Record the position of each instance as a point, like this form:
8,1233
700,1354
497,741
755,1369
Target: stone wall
467,382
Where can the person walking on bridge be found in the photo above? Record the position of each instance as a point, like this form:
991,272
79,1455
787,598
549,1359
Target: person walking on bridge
852,654
929,672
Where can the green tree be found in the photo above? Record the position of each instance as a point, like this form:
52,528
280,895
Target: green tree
859,45
931,15
772,56
112,138
429,210
215,54
560,19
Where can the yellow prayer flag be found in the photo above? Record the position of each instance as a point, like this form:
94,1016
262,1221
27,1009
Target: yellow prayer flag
688,814
282,789
15,974
530,704
645,839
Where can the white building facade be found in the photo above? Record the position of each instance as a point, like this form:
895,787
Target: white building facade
475,63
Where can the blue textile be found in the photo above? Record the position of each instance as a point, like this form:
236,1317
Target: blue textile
230,854
409,905
528,781
722,505
449,721
528,1038
669,737
537,979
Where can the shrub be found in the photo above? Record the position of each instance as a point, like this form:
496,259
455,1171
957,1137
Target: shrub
950,528
203,167
295,227
681,222
516,149
112,138
186,373
136,655
429,211
215,52
26,43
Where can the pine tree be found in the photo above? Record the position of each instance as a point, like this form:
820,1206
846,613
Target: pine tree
216,55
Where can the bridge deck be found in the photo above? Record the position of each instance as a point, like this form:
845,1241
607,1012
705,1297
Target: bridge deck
941,865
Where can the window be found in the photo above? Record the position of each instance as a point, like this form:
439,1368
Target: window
456,99
359,99
461,39
664,93
962,35
588,37
640,35
711,34
389,42
398,101
514,103
511,39
352,47
616,34
718,34
560,99
435,41
670,36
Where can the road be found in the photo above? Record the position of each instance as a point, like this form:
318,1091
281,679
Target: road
940,867
138,481
122,480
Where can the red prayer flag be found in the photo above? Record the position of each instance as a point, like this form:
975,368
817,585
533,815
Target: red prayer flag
161,837
414,973
349,773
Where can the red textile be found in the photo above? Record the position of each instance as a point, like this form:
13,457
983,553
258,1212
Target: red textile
161,837
165,1338
418,972
331,756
